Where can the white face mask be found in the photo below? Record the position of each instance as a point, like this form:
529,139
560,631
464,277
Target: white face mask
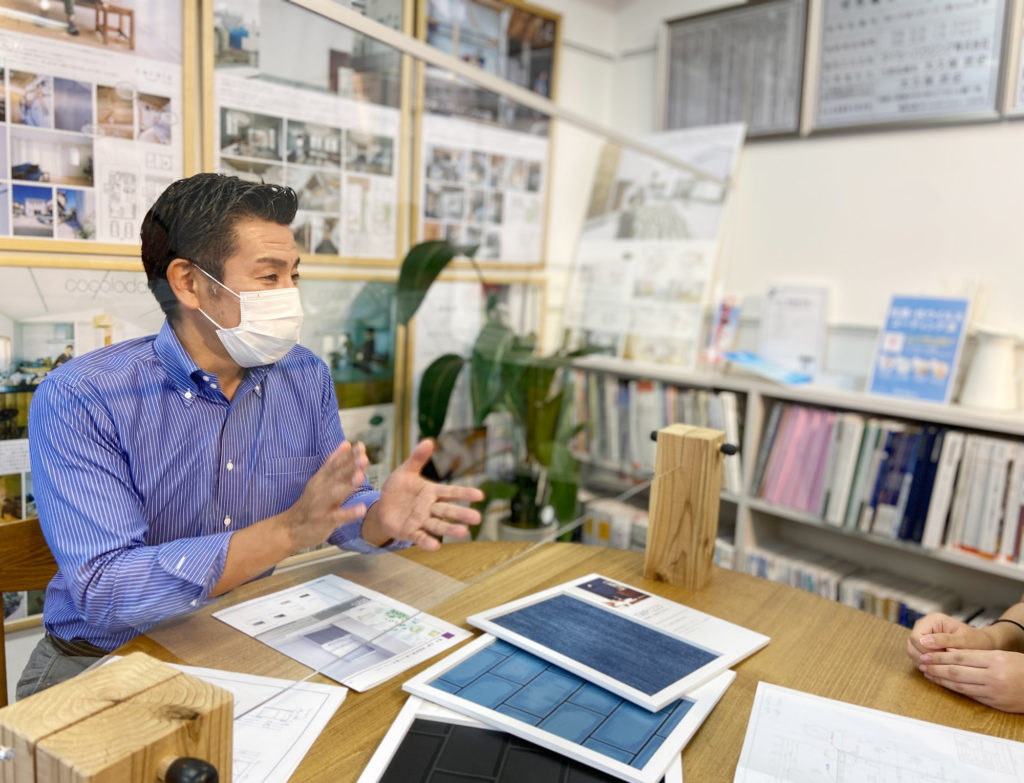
269,327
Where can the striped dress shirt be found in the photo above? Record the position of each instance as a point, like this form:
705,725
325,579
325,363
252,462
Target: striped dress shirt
142,469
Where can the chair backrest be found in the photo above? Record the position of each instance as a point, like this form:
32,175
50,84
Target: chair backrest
26,563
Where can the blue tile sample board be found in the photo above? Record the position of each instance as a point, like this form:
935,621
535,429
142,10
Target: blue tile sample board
620,648
516,683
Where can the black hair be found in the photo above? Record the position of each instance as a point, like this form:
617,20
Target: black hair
195,219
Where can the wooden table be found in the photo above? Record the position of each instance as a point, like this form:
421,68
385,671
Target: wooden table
817,645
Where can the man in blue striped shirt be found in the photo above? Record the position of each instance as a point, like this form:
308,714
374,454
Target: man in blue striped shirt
170,469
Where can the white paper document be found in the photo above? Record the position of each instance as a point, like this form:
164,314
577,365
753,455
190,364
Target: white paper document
643,648
544,770
795,737
276,721
347,632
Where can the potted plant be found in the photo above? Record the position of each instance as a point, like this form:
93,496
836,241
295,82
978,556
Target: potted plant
506,376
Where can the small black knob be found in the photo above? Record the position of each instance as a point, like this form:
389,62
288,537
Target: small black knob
189,770
728,449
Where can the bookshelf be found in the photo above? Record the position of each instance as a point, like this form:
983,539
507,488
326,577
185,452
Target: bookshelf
756,524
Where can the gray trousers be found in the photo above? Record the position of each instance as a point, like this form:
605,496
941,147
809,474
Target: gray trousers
47,666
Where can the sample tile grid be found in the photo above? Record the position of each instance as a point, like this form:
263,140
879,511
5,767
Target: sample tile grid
431,744
513,690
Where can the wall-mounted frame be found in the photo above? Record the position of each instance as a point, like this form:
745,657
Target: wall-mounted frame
917,62
93,125
740,64
481,160
330,123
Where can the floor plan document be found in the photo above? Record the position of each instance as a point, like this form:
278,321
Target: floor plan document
794,737
641,647
349,633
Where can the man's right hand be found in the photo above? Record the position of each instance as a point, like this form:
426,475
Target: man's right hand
318,512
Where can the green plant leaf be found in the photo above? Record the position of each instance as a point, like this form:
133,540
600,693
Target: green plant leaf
436,392
493,490
421,266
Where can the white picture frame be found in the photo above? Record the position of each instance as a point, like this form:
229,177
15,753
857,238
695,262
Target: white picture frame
729,642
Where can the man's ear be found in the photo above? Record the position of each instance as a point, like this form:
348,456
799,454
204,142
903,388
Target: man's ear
182,278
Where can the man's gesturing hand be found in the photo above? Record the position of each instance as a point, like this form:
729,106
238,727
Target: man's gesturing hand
318,512
414,509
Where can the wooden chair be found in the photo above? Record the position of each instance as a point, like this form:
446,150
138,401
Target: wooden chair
25,564
112,18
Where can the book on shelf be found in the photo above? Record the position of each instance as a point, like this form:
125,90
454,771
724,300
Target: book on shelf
942,489
620,414
924,484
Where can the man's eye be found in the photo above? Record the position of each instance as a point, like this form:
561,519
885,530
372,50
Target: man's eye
296,277
270,278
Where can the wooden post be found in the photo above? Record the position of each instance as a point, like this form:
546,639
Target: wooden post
125,721
684,506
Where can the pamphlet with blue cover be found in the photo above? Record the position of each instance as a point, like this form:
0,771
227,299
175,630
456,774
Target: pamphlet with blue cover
919,348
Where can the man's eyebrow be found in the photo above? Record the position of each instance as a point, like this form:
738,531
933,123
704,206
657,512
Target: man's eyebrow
279,261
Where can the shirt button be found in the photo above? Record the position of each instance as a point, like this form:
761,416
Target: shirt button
257,388
227,521
213,386
231,465
188,395
206,377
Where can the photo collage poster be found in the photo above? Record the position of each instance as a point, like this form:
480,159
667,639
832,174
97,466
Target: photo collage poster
483,185
327,123
90,129
646,258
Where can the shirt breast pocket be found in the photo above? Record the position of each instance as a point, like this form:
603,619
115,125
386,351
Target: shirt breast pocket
282,466
280,482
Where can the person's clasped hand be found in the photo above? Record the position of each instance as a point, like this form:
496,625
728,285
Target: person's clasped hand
963,659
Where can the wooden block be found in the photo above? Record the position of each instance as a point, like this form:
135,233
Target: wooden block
684,506
117,723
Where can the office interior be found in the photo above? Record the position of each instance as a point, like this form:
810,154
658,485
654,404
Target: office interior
864,213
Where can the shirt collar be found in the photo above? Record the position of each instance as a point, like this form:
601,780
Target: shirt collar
185,374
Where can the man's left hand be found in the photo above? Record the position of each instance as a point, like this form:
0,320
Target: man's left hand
411,508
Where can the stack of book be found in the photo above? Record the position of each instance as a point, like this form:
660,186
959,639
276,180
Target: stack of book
938,487
615,523
896,598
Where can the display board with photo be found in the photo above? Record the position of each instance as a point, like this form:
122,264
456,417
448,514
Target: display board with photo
483,185
646,259
90,125
326,124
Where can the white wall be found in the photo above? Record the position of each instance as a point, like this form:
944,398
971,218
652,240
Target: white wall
927,211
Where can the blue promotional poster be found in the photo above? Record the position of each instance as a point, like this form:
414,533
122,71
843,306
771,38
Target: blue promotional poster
919,348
